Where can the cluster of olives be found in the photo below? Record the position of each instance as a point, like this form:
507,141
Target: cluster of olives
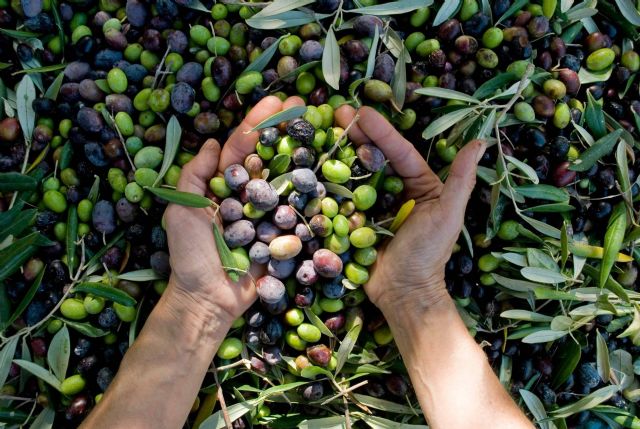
313,235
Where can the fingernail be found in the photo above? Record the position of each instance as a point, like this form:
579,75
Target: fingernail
482,147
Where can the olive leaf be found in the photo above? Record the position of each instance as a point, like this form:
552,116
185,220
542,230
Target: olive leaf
399,80
446,11
516,284
71,236
602,358
529,316
54,88
65,156
26,300
59,352
25,94
613,239
39,372
403,213
543,192
279,164
565,361
281,183
373,51
312,371
16,254
197,5
6,357
229,262
515,7
289,19
107,292
84,328
315,321
283,116
564,244
524,168
628,10
542,275
333,422
622,170
346,346
544,336
596,397
13,181
392,8
588,138
17,222
594,117
279,6
587,76
384,405
19,34
541,227
536,408
172,143
42,69
489,87
444,122
263,59
551,208
95,190
144,275
335,189
133,327
394,43
44,420
187,199
234,412
331,60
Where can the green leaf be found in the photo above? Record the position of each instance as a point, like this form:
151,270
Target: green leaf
59,353
9,415
263,59
289,19
394,43
235,411
526,315
448,94
399,80
515,7
564,244
19,34
17,253
65,156
108,292
543,192
535,406
145,275
172,143
25,94
333,422
283,116
602,358
377,422
629,11
71,237
565,361
384,405
446,11
622,170
596,397
95,190
335,189
42,69
622,365
543,336
14,181
44,420
21,221
542,275
6,357
54,88
524,168
373,51
281,183
489,87
313,371
181,198
594,117
444,122
392,8
331,60
39,372
95,258
85,328
197,5
551,208
279,164
346,346
226,257
315,321
295,72
279,6
541,227
613,239
26,299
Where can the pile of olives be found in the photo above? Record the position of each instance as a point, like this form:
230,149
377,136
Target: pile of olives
314,235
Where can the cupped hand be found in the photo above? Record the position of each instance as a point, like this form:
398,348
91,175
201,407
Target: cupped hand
197,272
410,267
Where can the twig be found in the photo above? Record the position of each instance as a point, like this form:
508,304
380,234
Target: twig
223,404
343,391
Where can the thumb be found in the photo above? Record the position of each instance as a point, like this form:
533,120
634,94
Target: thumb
462,178
196,173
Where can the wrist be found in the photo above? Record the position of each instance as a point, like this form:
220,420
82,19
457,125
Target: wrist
414,297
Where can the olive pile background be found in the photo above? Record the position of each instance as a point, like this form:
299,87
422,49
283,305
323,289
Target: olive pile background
89,90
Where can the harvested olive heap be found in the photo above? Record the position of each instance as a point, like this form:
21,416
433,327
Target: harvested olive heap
103,102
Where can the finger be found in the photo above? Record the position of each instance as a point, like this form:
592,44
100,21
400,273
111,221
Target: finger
462,178
292,102
344,116
242,143
196,173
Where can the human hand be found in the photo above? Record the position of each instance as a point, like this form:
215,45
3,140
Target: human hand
409,271
197,273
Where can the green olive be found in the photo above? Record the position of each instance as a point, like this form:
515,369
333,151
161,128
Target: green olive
336,171
230,348
73,308
363,237
72,385
117,80
308,332
55,201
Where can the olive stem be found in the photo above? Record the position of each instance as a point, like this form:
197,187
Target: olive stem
241,362
223,404
344,392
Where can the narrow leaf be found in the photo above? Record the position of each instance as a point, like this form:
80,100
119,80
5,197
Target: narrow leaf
373,51
565,361
17,253
14,181
265,57
543,336
25,94
172,143
443,123
346,346
54,88
44,420
399,80
226,257
403,213
542,275
613,239
279,6
85,328
392,8
535,407
629,11
594,398
6,357
331,60
335,189
181,198
59,353
315,321
39,372
448,94
71,237
528,316
602,358
104,291
524,168
515,7
446,11
543,192
283,116
145,275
